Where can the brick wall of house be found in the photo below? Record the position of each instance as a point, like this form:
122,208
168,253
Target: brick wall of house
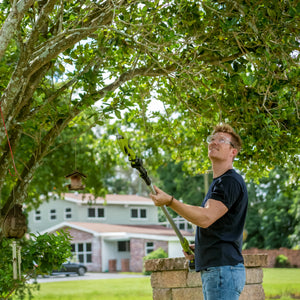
79,236
96,266
137,252
292,255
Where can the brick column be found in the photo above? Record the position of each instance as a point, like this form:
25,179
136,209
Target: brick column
171,279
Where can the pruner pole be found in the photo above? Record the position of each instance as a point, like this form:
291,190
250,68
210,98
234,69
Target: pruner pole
137,163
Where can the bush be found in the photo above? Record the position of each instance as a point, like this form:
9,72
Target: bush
282,262
40,255
158,253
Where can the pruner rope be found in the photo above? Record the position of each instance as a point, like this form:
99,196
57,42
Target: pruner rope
137,163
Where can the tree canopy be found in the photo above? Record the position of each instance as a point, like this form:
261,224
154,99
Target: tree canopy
70,63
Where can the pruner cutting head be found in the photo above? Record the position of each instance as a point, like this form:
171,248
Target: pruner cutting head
126,149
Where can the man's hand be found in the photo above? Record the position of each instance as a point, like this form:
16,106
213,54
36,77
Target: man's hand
161,198
190,257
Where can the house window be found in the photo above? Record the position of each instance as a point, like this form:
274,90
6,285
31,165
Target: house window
52,214
124,246
37,215
96,212
83,252
149,247
68,213
138,213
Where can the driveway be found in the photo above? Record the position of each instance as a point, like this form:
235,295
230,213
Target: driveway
87,276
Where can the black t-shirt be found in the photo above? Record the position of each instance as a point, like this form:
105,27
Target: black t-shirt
221,243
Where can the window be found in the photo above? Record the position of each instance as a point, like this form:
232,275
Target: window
37,215
134,213
91,212
124,246
83,252
52,214
149,247
100,212
96,212
143,213
138,213
68,213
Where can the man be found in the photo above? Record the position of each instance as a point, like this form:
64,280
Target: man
220,220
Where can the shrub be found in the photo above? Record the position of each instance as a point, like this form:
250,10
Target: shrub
40,255
158,253
282,262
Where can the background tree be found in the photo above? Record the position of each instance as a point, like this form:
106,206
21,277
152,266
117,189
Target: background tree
65,61
273,214
178,182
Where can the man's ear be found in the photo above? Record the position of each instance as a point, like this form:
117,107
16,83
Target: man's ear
234,152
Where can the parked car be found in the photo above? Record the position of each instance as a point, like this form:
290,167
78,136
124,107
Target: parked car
70,268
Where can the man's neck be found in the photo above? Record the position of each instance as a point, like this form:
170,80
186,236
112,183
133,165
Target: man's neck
219,168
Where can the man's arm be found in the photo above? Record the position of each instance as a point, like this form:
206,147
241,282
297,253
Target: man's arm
200,216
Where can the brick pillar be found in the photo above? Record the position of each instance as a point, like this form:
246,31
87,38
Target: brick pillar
171,279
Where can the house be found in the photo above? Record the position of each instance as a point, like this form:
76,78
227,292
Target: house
111,234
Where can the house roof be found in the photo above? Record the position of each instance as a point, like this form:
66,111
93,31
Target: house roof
86,198
116,231
146,229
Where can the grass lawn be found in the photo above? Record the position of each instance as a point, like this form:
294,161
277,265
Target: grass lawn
104,289
281,284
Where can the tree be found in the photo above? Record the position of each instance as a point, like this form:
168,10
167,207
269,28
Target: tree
68,61
273,214
65,64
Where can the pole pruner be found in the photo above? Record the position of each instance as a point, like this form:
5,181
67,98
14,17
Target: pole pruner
137,163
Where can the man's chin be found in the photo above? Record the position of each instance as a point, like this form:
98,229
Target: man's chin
212,152
213,155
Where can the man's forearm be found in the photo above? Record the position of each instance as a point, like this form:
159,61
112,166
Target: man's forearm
194,214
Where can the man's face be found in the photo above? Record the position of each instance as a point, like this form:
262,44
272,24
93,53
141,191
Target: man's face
220,147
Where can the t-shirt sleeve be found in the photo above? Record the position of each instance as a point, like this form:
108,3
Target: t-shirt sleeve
226,190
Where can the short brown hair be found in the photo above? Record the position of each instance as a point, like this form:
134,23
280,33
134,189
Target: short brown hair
236,140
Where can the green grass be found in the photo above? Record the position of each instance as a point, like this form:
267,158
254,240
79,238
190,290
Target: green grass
104,289
281,284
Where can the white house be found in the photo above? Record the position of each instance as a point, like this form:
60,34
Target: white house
111,234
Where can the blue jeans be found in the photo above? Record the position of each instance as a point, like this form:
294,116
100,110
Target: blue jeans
223,283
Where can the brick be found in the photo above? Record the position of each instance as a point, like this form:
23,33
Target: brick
166,264
162,294
169,279
253,292
187,293
137,252
194,279
254,275
257,260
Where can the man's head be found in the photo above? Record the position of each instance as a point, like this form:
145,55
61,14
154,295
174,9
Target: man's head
235,138
224,143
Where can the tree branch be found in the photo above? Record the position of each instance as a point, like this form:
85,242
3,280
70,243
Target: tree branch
19,192
11,23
